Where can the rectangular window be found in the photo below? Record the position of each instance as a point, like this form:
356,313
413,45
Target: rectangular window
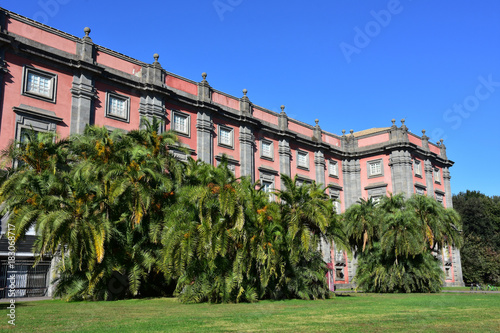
417,166
302,159
267,149
225,136
333,168
180,123
117,106
437,175
375,168
39,84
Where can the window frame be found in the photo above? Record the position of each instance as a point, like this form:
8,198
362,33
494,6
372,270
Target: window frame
306,155
51,97
113,95
221,128
374,162
437,175
187,117
417,168
271,149
335,164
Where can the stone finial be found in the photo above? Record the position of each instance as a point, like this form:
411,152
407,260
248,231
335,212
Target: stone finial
343,132
441,141
282,109
423,132
352,132
402,121
316,121
245,92
393,122
156,56
204,76
87,31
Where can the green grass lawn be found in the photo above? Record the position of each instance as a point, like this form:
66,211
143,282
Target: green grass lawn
460,312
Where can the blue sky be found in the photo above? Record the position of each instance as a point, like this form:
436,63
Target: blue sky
352,64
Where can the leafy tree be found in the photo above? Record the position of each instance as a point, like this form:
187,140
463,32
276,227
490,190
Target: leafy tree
481,251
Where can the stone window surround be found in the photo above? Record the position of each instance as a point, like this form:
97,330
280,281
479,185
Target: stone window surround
225,128
417,170
335,164
376,190
368,168
437,175
53,84
177,113
271,148
126,99
40,120
306,155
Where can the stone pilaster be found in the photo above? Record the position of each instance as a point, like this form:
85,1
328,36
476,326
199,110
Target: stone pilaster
428,169
319,163
401,172
351,171
457,266
247,141
447,187
82,102
285,154
151,106
204,134
82,89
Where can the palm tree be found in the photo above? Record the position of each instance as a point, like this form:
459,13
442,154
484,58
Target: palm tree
361,222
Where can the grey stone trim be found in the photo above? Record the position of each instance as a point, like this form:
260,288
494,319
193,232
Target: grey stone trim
401,162
204,90
24,110
283,120
245,105
267,169
319,163
285,155
152,106
438,191
317,137
372,162
425,141
429,170
351,171
335,186
204,137
447,187
271,147
231,161
53,84
376,190
82,102
221,128
187,116
304,179
349,142
126,99
457,266
85,48
247,152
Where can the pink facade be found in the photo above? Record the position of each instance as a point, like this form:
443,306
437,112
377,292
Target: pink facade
106,59
371,163
182,85
221,99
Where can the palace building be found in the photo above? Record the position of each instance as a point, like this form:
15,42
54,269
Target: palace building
54,81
